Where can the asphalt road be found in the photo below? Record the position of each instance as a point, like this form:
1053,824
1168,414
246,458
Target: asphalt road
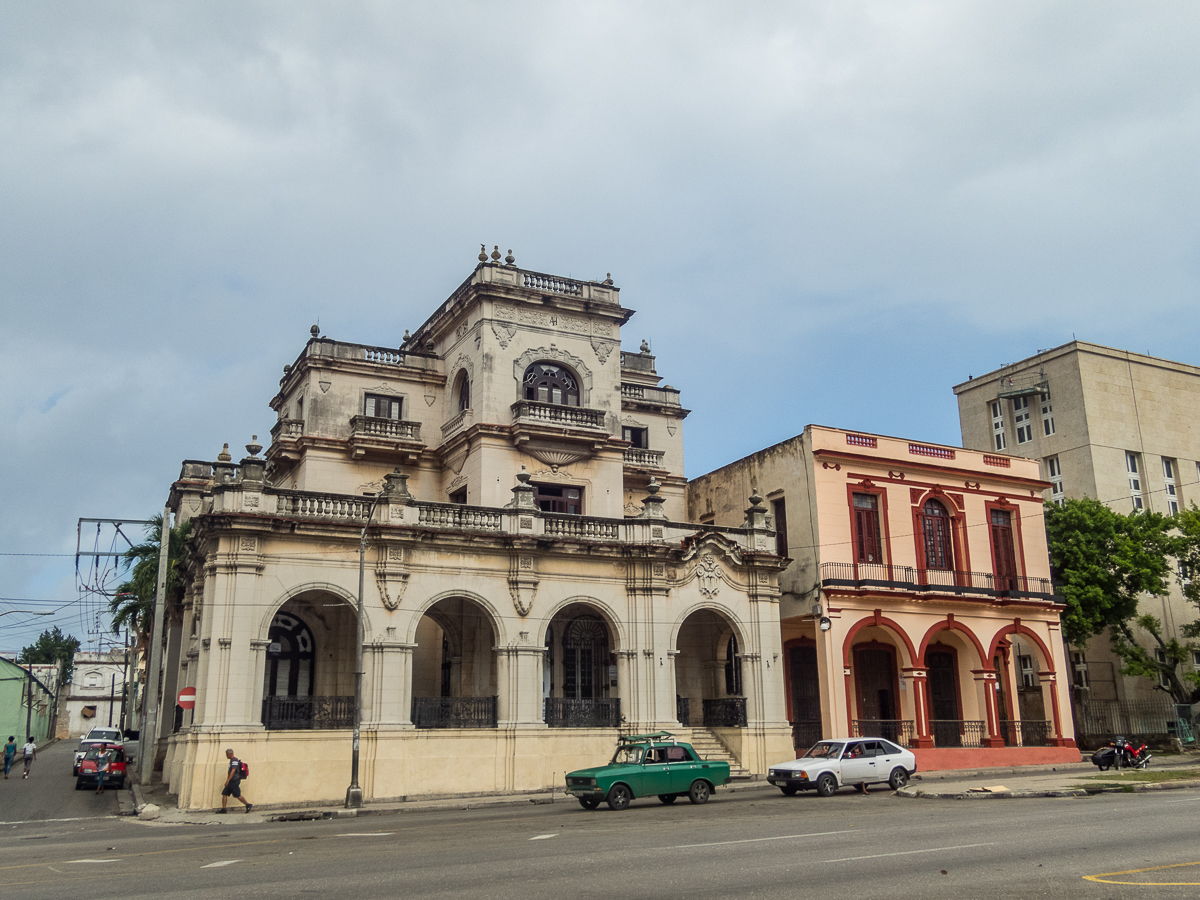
49,791
750,844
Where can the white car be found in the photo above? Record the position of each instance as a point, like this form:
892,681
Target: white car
96,736
830,764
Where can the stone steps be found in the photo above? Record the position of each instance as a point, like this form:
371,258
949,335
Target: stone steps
706,744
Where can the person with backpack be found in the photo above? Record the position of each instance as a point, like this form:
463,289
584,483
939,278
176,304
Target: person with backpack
233,782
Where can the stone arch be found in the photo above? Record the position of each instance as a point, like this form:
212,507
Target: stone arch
554,354
606,612
464,364
950,624
341,593
736,627
1026,631
481,601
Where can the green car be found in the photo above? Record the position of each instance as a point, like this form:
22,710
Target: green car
645,765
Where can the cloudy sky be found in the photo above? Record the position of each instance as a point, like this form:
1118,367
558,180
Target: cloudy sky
823,211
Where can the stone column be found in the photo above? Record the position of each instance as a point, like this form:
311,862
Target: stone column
922,738
519,678
986,680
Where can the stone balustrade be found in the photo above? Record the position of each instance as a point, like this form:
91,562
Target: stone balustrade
649,394
648,459
553,414
287,430
387,429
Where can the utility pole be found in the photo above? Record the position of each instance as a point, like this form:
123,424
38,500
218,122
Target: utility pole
29,699
125,684
148,747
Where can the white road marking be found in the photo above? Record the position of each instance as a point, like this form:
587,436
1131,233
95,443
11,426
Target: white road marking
72,819
74,861
910,852
543,837
1188,800
367,834
224,862
782,837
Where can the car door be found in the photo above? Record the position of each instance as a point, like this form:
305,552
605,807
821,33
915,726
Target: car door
655,777
857,766
684,767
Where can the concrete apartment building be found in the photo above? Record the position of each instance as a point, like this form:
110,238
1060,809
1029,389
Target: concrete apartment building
1110,424
917,602
94,693
531,582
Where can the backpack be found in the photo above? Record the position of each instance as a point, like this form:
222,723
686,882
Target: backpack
244,770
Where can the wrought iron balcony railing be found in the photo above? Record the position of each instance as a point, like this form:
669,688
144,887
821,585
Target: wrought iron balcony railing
295,713
807,733
454,712
566,712
935,581
726,712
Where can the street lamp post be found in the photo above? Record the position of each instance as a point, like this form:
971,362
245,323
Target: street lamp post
354,793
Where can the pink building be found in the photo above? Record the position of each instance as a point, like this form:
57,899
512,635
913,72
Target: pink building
917,604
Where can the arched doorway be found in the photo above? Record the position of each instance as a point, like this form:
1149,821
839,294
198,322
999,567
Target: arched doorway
454,667
308,671
708,672
877,689
945,702
580,675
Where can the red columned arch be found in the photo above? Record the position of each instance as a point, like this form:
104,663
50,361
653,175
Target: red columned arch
883,621
949,624
1018,628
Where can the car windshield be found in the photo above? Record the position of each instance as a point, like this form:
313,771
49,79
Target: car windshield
824,750
627,756
94,753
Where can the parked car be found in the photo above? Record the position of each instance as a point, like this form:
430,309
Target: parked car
647,765
828,765
98,735
89,775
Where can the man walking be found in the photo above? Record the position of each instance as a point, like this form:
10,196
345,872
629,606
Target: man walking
233,783
10,754
30,753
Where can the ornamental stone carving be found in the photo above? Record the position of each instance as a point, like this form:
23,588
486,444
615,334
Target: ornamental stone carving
708,574
504,333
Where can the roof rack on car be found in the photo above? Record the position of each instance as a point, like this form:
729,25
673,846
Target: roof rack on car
643,738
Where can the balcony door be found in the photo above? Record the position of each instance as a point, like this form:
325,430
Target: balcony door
290,658
935,528
875,678
1002,550
943,696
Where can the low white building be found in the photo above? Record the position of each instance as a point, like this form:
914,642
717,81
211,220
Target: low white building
94,693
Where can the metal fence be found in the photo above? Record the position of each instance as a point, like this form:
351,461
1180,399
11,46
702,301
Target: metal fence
899,731
805,734
454,712
284,713
727,712
1025,733
956,732
683,710
564,712
1096,721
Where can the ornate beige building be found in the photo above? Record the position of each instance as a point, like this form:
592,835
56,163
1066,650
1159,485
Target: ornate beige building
531,584
1117,426
917,604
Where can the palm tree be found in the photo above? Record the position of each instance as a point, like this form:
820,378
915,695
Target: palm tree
132,606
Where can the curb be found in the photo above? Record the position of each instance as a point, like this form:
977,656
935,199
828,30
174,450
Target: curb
1072,793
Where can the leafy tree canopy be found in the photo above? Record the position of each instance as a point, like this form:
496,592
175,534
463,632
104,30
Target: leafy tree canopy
52,646
132,606
1103,560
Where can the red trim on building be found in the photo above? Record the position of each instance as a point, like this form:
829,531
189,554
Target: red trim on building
950,624
876,619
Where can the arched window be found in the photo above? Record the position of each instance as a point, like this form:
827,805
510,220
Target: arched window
464,391
551,383
92,679
585,659
290,658
935,527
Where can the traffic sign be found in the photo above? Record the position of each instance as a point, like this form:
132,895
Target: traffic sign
187,697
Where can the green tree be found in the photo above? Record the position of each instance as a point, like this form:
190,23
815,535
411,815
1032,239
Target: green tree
1103,560
1187,551
132,606
52,646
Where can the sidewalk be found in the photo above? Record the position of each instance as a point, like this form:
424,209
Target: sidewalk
1019,783
1071,780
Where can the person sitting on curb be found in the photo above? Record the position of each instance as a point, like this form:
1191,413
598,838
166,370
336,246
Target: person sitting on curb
233,783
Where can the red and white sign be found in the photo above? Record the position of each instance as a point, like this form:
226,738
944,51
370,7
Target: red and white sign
187,698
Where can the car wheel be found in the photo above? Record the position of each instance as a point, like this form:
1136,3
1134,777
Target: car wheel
789,790
619,797
898,779
668,799
589,802
699,791
826,785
